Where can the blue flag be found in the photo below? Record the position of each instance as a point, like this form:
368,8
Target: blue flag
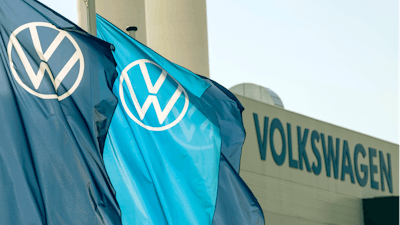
236,204
165,150
56,107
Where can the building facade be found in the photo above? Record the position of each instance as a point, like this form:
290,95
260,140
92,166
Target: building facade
306,171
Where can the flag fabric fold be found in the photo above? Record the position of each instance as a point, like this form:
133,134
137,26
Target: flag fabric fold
56,107
174,144
235,204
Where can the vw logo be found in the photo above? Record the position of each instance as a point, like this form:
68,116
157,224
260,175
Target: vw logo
64,71
165,95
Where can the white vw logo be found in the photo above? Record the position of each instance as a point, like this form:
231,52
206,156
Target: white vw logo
36,78
151,98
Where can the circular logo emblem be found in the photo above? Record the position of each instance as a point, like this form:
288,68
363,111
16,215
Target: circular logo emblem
59,61
152,91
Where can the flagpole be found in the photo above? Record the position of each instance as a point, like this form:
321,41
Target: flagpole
91,16
132,31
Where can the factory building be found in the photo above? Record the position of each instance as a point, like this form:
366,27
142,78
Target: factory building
306,171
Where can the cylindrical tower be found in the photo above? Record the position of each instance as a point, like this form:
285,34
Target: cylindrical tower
176,29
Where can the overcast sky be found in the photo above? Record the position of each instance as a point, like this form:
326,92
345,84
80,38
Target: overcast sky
335,61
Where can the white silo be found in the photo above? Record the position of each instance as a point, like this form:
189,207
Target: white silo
176,29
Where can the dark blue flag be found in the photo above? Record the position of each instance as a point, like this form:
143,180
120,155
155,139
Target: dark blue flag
174,146
55,109
235,204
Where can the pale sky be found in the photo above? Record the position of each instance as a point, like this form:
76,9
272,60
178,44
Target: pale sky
335,61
